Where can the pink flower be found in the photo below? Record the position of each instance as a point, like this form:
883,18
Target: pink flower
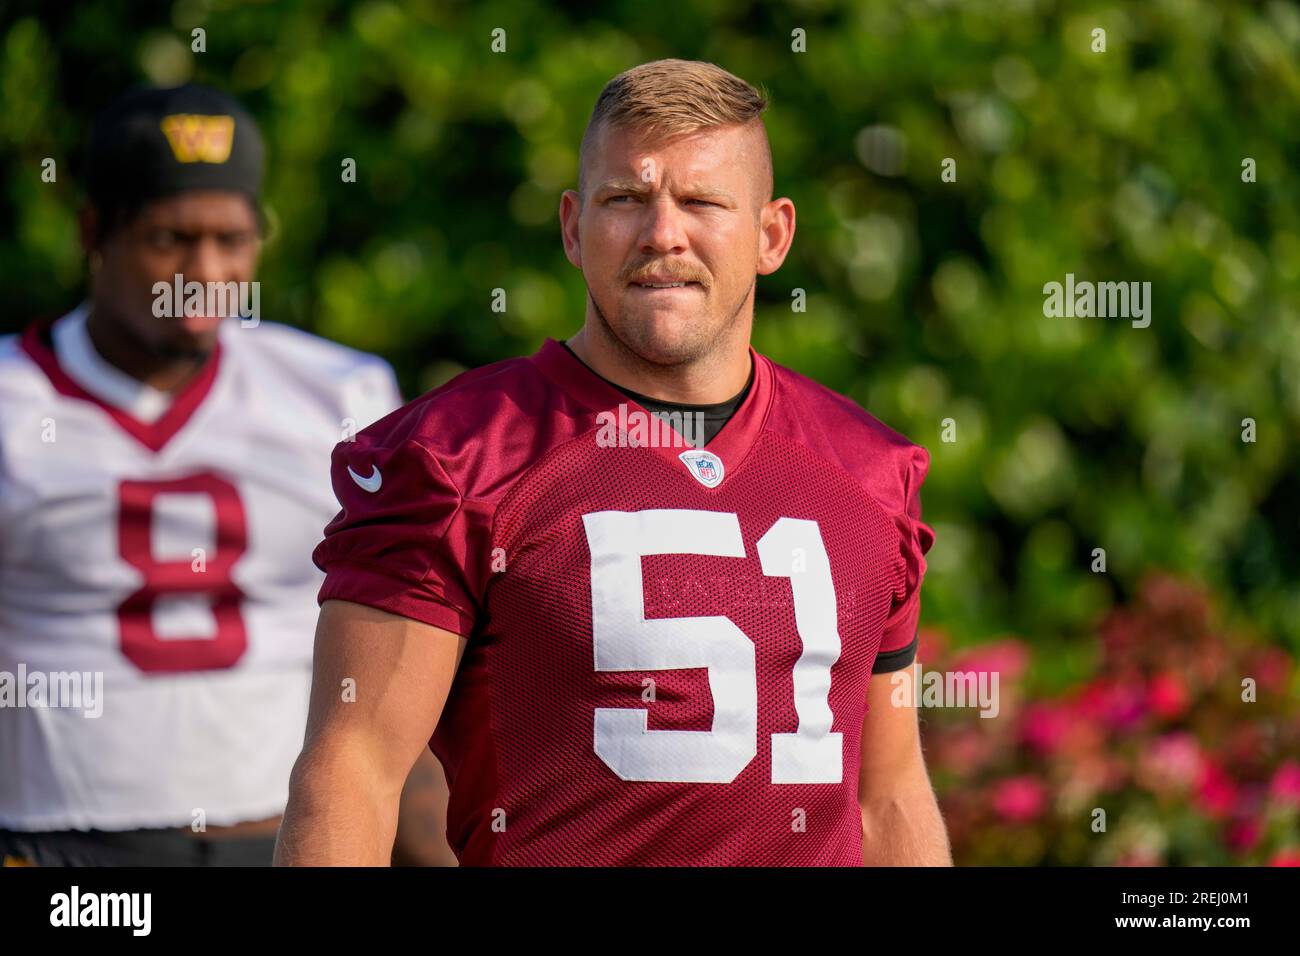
1290,857
1046,727
1118,705
1216,793
1270,666
1167,696
1285,786
1172,762
1243,835
1019,799
1007,657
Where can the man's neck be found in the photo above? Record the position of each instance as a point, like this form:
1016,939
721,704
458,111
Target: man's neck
702,383
120,349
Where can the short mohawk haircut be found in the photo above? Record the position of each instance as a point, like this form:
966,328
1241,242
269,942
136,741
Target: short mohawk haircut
670,98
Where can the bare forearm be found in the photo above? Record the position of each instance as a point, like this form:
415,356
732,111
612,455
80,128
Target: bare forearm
336,816
904,829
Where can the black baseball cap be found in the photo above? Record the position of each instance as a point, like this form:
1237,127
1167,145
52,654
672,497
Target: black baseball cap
153,142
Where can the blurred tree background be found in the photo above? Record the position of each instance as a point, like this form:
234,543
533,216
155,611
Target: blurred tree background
924,297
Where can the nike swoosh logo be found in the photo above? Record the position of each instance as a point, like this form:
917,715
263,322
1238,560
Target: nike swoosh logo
370,484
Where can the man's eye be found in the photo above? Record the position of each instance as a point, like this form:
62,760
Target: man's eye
163,239
617,198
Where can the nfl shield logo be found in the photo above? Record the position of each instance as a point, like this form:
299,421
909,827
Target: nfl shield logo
705,466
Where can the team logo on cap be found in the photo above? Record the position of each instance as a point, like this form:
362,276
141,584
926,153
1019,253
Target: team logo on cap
199,139
705,466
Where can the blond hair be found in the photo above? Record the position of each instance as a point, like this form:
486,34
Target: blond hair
669,98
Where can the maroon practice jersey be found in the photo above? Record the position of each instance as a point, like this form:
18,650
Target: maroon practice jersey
669,648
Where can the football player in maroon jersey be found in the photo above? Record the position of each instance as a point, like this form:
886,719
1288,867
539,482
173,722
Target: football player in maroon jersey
628,648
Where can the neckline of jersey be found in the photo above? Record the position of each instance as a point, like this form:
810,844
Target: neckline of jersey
727,408
732,444
153,435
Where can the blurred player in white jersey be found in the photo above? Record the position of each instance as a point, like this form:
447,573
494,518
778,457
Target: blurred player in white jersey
163,481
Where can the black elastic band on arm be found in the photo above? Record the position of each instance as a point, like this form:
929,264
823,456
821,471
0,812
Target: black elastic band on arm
898,659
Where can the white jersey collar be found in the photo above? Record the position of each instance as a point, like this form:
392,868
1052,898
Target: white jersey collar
84,365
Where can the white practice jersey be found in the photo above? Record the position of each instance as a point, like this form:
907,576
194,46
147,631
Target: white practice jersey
157,593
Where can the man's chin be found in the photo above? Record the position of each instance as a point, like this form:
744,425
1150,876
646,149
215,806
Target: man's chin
665,340
199,352
189,342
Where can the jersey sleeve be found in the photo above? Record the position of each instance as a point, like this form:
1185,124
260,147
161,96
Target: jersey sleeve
899,642
405,541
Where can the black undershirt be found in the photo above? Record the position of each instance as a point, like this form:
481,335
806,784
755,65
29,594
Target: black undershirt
714,416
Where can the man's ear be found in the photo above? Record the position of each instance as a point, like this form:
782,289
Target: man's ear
570,213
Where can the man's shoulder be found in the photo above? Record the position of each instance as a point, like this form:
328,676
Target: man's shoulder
836,410
483,423
20,376
346,381
294,349
840,430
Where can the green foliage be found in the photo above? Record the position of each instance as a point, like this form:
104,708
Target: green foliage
925,297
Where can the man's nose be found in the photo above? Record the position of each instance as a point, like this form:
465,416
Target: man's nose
661,230
207,262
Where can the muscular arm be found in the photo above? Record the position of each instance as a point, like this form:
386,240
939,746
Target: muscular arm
901,823
345,787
